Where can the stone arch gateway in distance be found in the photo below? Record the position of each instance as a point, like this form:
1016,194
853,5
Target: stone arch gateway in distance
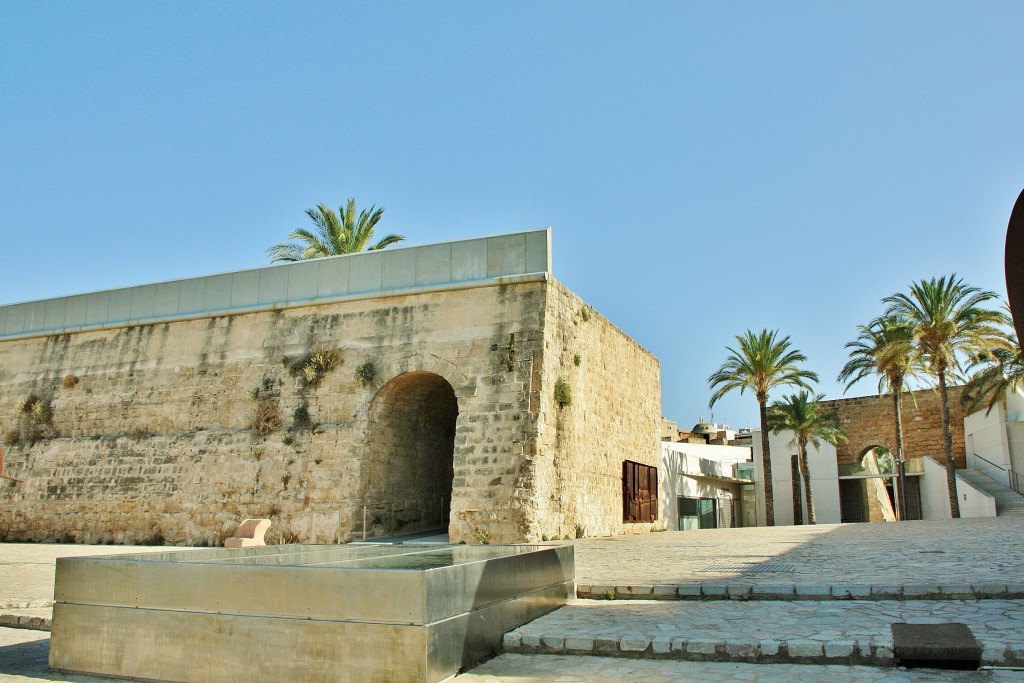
409,466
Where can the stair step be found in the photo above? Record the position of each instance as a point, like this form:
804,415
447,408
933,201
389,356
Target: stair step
848,632
781,591
1009,503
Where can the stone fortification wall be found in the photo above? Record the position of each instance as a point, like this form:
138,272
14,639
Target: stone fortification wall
175,431
147,433
614,415
869,422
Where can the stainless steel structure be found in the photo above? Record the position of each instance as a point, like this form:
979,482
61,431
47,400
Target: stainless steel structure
300,612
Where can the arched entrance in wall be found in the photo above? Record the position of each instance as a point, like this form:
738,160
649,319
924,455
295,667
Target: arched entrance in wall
866,490
408,473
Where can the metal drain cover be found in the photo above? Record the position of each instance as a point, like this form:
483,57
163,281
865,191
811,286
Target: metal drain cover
749,568
935,646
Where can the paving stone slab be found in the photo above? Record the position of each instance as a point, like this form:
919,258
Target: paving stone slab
950,642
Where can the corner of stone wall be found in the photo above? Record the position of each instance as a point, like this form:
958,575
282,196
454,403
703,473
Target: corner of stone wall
599,406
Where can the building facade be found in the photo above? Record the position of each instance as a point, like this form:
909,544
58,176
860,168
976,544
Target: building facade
455,385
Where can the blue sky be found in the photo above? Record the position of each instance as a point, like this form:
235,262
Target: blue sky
706,167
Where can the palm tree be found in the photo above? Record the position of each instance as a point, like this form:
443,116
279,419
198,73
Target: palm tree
885,347
1001,369
762,363
800,414
949,323
335,233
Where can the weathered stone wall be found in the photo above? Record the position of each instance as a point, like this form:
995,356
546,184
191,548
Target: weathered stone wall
176,431
614,415
869,421
153,438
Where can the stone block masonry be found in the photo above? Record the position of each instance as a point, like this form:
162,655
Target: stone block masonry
869,422
439,410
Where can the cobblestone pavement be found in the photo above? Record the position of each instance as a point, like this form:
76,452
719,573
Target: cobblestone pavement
847,632
948,552
570,669
914,571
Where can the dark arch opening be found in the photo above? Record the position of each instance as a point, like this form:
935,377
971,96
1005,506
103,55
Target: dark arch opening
407,477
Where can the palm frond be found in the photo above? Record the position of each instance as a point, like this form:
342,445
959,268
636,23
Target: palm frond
761,362
996,372
333,233
801,414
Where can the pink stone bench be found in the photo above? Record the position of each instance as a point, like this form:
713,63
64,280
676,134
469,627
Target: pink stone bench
250,533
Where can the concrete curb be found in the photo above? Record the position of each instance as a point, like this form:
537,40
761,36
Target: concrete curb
839,591
794,651
27,621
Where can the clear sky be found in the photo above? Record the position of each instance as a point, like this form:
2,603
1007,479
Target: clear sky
706,167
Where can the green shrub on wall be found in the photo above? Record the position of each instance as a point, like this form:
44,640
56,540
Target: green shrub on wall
366,372
314,366
563,394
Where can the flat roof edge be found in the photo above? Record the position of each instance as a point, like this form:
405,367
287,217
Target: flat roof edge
460,264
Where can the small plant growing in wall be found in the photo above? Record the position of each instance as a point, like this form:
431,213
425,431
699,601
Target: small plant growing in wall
285,478
581,531
70,381
483,536
321,361
510,349
585,315
563,394
42,413
300,418
315,365
35,418
267,418
366,372
26,404
577,359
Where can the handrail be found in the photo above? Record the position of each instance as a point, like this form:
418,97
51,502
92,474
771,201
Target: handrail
1015,480
998,467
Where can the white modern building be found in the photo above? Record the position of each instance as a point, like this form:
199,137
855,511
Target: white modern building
994,440
704,487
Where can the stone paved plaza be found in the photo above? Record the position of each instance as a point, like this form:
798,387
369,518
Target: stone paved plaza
965,552
706,595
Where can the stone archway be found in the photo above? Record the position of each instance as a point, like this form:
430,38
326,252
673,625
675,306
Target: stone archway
866,493
407,475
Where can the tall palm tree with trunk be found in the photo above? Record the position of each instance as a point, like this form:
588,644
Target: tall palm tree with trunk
801,414
950,323
761,363
885,347
334,233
